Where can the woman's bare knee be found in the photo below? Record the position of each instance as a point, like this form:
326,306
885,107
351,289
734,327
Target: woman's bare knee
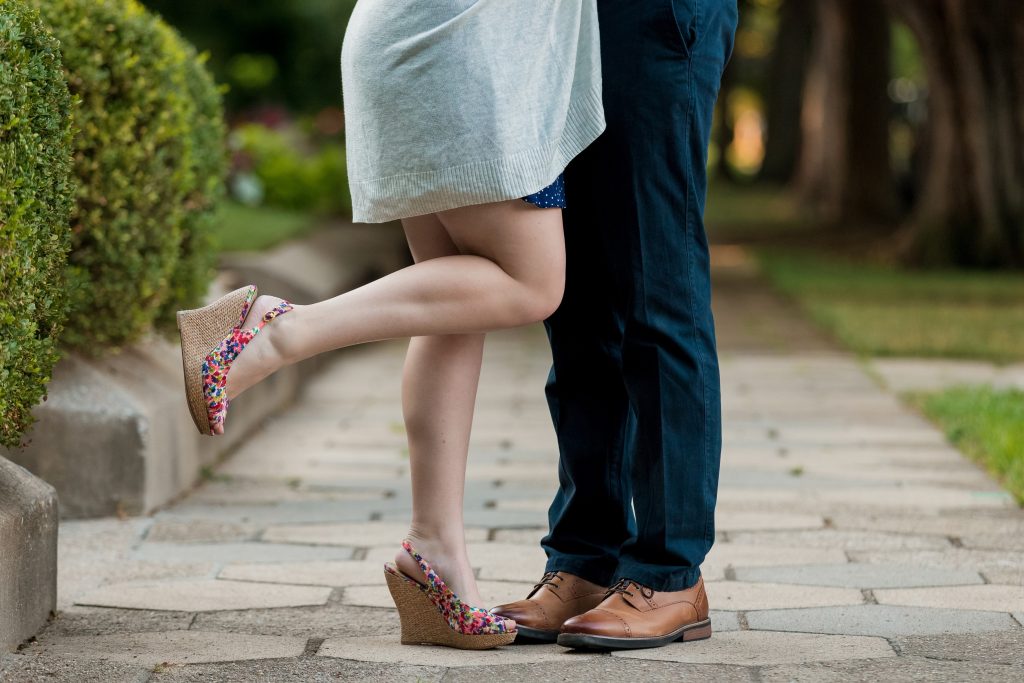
527,243
543,298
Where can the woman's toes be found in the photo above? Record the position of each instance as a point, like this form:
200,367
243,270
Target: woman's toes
510,625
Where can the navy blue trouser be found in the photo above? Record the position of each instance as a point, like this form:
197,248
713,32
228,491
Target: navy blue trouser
634,389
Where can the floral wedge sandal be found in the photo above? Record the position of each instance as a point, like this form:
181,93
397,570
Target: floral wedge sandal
211,339
431,614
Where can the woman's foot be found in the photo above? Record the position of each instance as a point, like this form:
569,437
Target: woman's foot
448,559
431,613
243,343
261,357
212,338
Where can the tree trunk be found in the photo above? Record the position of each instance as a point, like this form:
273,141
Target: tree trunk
823,114
871,192
971,208
844,171
787,74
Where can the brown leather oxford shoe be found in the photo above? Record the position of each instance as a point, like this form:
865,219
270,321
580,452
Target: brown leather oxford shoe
635,616
557,597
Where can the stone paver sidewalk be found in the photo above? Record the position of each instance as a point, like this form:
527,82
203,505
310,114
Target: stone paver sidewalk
935,374
853,542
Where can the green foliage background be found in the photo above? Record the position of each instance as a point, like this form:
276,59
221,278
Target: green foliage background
293,177
35,201
268,51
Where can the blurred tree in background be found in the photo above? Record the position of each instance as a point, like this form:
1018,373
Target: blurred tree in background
971,193
900,117
844,170
787,71
268,52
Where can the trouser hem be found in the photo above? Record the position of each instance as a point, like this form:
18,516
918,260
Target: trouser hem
659,578
582,568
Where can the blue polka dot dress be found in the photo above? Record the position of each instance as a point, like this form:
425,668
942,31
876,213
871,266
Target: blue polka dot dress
551,197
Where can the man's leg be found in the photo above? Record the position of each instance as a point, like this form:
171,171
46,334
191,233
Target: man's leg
663,94
634,239
591,516
663,63
634,389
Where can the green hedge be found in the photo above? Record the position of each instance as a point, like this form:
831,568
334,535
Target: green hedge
197,251
149,164
35,201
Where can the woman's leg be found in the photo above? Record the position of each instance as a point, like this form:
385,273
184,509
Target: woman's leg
510,272
438,394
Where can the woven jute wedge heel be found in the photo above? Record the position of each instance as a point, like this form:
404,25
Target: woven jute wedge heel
201,330
423,624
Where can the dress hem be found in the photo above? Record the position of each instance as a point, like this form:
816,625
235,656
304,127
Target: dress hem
382,200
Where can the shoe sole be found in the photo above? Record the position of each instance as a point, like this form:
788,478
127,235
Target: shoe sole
422,624
581,641
201,330
534,636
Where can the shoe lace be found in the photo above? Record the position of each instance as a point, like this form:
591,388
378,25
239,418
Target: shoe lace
623,587
553,579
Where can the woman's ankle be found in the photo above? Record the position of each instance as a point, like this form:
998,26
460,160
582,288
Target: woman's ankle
449,537
446,554
448,560
282,349
260,358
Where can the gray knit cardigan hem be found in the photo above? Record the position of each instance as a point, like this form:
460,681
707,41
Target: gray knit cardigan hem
381,200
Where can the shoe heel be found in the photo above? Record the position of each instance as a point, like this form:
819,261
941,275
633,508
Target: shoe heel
423,624
201,330
700,633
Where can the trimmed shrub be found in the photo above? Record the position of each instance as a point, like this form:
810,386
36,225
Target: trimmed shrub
197,252
144,182
35,202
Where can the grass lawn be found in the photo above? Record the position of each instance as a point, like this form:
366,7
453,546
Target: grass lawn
987,425
877,310
248,228
872,309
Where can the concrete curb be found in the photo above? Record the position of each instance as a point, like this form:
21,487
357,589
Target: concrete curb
115,438
28,554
